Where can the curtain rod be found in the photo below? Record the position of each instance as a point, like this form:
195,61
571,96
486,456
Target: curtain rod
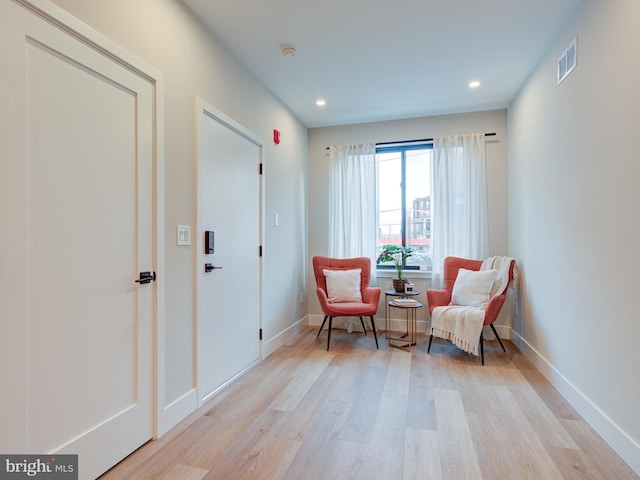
492,134
423,140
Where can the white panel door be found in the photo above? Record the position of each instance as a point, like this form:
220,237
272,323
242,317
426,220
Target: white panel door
228,304
77,228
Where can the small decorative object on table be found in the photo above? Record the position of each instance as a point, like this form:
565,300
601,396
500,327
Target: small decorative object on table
404,301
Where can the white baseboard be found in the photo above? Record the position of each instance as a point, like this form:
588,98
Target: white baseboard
177,411
504,331
283,337
616,437
315,320
397,324
218,389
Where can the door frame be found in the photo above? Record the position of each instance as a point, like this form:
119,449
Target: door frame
204,108
49,12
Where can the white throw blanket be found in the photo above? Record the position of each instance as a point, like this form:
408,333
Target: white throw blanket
502,264
462,325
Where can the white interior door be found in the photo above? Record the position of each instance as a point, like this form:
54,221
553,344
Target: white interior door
228,297
77,203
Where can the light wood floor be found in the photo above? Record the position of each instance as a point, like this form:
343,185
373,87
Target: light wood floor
360,413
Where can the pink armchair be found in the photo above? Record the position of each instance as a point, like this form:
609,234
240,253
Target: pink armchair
441,298
370,295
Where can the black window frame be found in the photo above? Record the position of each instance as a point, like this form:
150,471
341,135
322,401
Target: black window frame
402,148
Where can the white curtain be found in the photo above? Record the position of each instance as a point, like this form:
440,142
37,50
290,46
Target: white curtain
459,207
353,203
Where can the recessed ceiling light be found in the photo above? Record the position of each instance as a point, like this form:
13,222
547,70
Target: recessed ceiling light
321,103
474,84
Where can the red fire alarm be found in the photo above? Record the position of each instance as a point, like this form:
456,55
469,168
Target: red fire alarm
276,136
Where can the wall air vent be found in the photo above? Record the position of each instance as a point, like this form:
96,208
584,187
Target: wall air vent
567,61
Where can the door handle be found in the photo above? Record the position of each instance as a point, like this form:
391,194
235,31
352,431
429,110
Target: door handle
146,277
209,268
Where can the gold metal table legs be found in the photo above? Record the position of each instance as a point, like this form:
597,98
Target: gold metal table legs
409,338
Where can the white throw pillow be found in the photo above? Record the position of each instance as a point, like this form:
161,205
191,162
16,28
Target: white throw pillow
472,288
343,285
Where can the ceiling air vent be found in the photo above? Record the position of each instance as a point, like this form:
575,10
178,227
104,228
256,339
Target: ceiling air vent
567,61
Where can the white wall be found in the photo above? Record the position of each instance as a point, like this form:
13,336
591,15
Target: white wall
397,130
166,35
573,176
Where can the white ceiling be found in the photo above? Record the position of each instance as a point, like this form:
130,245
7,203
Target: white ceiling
375,60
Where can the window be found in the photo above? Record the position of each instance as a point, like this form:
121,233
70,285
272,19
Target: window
404,201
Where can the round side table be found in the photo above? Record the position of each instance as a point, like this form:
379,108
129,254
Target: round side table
409,338
392,293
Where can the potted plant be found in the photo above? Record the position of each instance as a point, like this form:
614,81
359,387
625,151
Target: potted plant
396,254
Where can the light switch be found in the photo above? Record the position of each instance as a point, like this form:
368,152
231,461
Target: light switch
276,220
184,235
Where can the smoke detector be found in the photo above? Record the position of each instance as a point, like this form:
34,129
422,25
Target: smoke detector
288,50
